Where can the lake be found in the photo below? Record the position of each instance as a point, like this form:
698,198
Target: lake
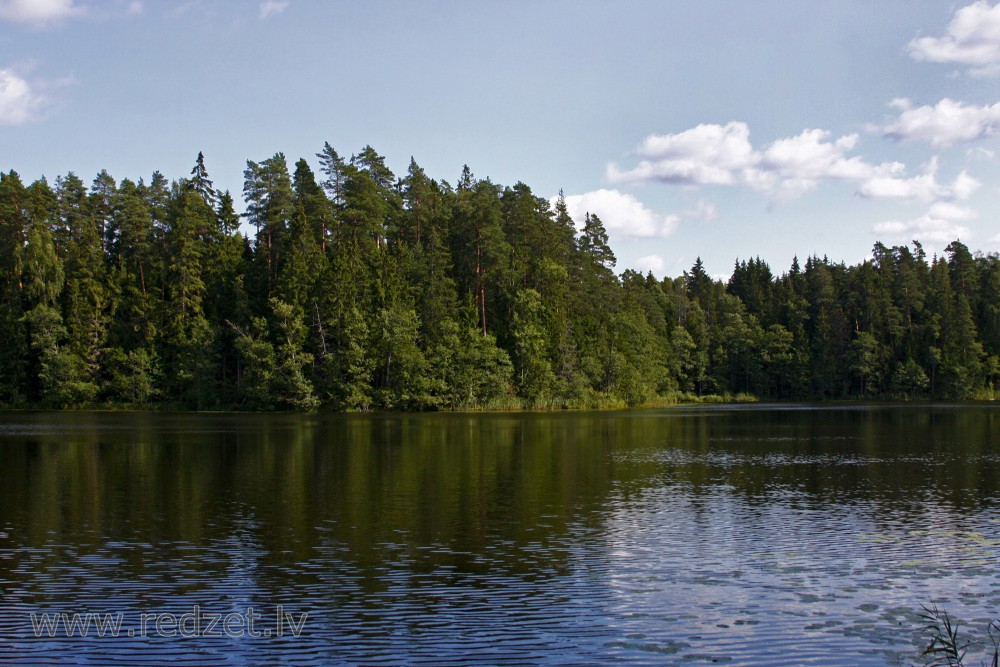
747,535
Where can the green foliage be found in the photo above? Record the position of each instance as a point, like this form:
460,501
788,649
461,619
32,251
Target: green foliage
535,379
402,367
477,372
909,380
354,365
273,361
289,388
62,374
259,361
358,291
134,377
866,361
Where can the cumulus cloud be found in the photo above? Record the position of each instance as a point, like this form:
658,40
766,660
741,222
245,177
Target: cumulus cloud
622,214
946,123
39,12
270,8
785,169
921,188
19,104
941,224
964,186
797,164
704,155
653,263
972,38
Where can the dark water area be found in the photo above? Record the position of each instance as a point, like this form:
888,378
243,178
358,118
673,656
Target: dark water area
746,535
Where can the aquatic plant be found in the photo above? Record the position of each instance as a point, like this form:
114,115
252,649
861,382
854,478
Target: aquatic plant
945,648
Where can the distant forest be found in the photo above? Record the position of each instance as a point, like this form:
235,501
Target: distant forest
359,290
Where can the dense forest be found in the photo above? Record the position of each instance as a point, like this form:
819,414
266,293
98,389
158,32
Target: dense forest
359,290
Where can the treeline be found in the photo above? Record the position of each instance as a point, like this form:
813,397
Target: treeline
360,290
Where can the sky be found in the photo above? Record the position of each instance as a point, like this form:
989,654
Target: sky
714,129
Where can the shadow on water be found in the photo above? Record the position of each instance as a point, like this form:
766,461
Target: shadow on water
760,535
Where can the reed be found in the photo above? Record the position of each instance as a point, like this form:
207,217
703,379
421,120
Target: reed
946,649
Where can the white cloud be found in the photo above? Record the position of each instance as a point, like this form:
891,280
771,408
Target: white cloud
809,154
941,224
39,12
622,214
972,38
922,188
888,185
270,8
135,8
946,123
704,155
954,212
18,102
995,239
786,168
799,163
964,186
649,263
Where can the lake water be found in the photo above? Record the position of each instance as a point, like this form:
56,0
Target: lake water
759,535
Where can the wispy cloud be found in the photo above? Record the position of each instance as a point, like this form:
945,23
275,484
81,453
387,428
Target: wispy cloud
786,168
972,38
270,8
39,13
651,263
19,103
946,123
703,210
941,224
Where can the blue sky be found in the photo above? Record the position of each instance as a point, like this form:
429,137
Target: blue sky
712,129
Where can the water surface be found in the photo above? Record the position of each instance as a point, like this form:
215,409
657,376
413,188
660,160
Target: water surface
760,535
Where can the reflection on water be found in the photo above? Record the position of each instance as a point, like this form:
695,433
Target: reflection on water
762,536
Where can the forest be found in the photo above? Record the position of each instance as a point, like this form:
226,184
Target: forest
355,289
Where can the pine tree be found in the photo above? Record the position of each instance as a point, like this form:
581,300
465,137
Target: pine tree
333,168
201,183
364,292
102,197
87,300
594,243
423,235
310,200
14,223
270,207
479,248
699,284
187,339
